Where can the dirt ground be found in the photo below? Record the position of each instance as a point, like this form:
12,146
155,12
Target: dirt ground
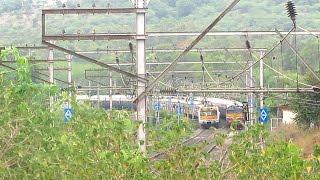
305,139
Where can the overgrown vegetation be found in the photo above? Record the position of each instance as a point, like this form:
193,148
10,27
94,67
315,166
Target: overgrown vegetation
306,105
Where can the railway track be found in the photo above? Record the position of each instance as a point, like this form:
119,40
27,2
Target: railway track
200,136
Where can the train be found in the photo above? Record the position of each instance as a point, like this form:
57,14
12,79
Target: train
209,116
209,112
236,115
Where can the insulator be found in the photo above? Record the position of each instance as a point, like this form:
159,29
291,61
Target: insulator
316,89
131,47
167,91
248,44
117,60
93,4
291,9
63,5
63,31
201,58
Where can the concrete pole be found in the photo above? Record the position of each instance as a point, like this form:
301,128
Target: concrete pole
251,95
141,70
110,91
98,96
69,58
248,96
261,80
89,90
51,73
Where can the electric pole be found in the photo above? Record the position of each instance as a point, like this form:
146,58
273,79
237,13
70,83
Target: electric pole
141,70
51,73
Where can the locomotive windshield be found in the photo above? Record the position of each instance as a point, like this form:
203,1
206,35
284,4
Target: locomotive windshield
209,112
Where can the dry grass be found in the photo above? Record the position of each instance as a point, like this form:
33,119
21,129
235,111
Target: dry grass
305,139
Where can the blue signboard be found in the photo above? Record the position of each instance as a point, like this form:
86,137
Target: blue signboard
68,113
157,106
264,115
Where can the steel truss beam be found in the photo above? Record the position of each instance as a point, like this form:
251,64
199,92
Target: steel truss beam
130,36
229,33
185,72
26,47
251,90
170,50
37,60
180,63
64,11
87,88
92,37
106,51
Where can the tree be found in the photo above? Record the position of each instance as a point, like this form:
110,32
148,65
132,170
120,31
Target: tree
307,105
185,7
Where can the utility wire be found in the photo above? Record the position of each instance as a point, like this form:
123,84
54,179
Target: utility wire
259,59
313,103
300,57
160,81
296,56
286,76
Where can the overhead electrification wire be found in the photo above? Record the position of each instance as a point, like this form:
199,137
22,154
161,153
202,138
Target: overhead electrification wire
312,103
282,65
118,63
259,59
291,10
286,76
203,70
160,81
